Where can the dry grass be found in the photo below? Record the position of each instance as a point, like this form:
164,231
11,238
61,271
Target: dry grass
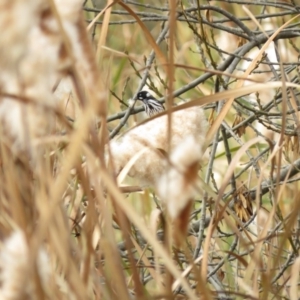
71,229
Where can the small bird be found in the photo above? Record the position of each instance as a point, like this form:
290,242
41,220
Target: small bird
152,106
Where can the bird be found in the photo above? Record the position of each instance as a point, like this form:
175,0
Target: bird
151,105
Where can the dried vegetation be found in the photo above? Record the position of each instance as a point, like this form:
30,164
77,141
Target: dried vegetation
220,219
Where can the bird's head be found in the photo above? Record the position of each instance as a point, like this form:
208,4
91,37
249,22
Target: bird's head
144,96
152,105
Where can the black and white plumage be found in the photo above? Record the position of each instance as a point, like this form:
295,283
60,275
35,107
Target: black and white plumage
152,106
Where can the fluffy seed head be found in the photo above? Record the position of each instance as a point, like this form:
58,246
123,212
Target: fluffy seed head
33,59
153,136
177,185
16,271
